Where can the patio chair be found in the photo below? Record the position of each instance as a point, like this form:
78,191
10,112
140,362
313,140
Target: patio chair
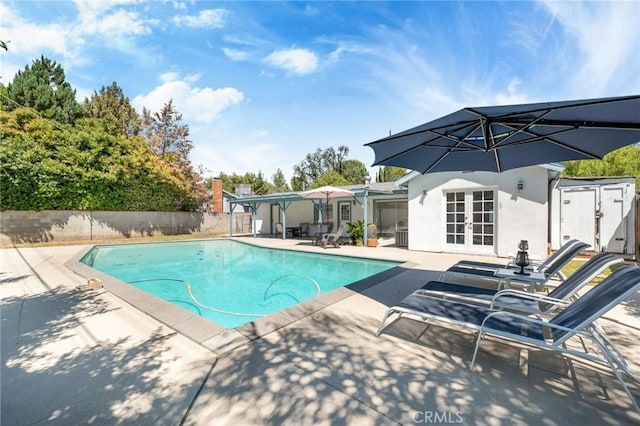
304,230
317,237
576,320
551,267
521,301
333,238
279,230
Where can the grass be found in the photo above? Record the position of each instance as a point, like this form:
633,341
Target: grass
572,266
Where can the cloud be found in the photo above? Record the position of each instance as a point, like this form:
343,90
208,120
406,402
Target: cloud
295,61
68,38
30,38
116,24
604,60
196,104
235,54
209,18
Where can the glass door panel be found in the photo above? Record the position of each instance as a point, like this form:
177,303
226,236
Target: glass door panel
469,221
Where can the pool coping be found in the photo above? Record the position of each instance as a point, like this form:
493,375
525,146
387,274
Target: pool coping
209,334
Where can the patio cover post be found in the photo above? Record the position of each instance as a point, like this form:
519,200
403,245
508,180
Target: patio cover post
254,211
283,206
364,205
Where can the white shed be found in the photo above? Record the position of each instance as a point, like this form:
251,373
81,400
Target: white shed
598,211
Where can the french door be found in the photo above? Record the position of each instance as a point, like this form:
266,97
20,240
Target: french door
469,221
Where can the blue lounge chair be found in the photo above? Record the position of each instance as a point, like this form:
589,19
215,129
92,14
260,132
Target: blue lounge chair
517,300
576,320
551,267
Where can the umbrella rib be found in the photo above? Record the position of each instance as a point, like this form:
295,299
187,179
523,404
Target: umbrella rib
435,163
536,137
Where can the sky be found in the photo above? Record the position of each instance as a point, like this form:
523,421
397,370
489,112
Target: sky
263,84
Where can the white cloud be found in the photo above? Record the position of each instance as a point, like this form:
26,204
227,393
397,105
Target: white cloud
295,61
209,18
30,38
235,54
194,103
607,36
116,24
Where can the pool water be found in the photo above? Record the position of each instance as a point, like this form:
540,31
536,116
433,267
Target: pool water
231,283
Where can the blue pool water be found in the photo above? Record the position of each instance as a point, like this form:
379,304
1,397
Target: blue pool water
232,283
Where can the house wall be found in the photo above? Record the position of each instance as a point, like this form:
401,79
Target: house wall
518,216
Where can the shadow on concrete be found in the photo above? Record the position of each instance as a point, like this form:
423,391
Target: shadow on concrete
331,369
48,356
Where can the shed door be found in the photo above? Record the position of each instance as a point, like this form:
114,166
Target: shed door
578,215
612,220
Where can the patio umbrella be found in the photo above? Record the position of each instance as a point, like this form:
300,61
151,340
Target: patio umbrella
500,138
325,193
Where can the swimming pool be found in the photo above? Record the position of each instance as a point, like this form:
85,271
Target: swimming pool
229,282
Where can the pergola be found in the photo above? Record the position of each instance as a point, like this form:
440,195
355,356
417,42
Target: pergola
284,200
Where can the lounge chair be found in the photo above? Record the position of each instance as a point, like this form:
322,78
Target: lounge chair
516,300
551,267
576,320
333,238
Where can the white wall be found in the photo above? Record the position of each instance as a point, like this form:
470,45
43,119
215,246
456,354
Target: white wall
519,216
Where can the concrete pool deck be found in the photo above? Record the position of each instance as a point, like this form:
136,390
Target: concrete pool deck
75,357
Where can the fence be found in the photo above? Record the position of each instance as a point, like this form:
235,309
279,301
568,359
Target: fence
18,227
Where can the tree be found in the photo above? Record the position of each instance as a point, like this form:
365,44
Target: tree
259,186
621,162
390,174
331,178
47,165
354,171
112,106
166,135
317,164
43,88
279,182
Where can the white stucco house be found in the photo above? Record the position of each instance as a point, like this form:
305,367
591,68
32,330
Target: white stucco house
480,212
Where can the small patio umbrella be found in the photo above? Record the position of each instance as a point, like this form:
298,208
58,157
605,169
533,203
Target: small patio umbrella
325,193
500,138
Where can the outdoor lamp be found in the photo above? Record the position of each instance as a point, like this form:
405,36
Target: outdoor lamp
520,186
524,245
522,258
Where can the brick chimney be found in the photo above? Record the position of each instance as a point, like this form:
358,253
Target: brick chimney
217,205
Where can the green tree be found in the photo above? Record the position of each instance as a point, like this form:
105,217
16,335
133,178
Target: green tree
390,174
354,171
113,107
279,182
42,86
331,178
317,164
47,165
621,162
259,186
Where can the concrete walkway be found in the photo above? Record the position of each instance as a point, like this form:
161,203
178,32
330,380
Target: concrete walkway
76,357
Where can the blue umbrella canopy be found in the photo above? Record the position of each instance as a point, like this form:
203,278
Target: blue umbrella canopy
499,138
